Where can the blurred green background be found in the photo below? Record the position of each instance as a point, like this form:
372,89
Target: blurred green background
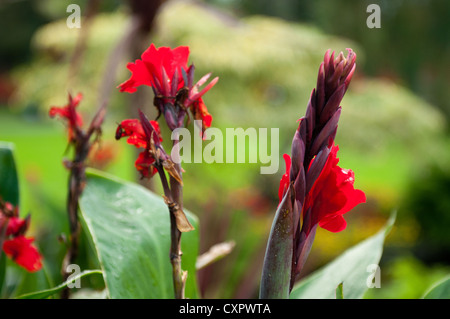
393,131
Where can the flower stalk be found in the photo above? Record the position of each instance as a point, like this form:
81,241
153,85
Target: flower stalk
81,141
165,70
314,191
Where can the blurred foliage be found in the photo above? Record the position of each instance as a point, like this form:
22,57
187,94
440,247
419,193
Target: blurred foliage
412,46
267,69
24,17
406,278
429,202
15,46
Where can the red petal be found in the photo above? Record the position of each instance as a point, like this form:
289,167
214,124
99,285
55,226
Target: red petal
333,223
144,164
333,195
133,129
140,75
284,182
21,250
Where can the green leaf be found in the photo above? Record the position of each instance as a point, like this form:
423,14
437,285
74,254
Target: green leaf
9,192
49,292
2,270
9,184
276,273
440,290
340,291
130,231
350,268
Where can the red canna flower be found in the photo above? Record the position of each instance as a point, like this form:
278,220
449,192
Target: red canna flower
148,138
69,113
133,129
15,245
332,195
159,68
320,191
21,250
166,71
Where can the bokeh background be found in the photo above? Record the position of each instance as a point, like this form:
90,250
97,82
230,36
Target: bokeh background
393,131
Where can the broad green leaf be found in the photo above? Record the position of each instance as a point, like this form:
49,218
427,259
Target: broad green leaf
49,292
130,231
9,184
440,290
350,269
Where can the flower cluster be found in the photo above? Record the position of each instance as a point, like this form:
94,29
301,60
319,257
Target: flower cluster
315,191
15,245
172,81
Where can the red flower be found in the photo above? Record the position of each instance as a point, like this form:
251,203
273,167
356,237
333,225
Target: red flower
150,140
332,195
133,129
69,113
284,182
135,132
21,250
158,68
144,164
166,71
16,245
